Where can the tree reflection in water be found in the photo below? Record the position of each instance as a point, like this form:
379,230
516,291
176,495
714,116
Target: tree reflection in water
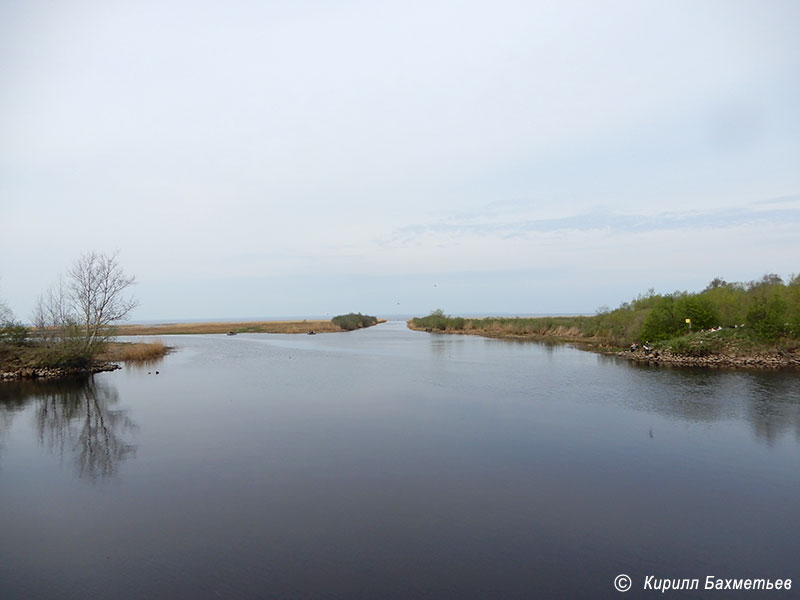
76,417
82,420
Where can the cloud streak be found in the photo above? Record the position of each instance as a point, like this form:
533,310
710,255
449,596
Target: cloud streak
507,226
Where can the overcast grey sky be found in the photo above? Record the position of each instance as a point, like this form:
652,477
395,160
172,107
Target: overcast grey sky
257,159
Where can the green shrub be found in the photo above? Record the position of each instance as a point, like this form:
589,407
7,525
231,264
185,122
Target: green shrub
700,310
693,345
352,321
663,321
768,318
457,323
436,320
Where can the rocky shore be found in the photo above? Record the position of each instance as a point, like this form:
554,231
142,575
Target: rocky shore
56,372
753,361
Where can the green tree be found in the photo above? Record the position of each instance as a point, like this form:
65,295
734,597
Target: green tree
700,310
663,321
767,316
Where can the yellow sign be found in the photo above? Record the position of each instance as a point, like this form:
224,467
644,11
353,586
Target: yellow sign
688,320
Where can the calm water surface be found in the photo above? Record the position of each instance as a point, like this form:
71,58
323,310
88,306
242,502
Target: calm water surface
386,463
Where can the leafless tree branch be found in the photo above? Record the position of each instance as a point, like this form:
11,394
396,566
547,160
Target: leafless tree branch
97,288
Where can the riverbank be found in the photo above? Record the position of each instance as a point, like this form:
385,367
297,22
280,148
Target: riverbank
732,349
761,360
304,326
56,372
546,332
32,362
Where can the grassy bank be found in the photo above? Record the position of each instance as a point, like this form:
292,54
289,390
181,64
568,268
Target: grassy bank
732,347
32,358
576,329
732,320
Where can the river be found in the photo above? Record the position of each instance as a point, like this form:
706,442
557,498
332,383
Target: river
386,463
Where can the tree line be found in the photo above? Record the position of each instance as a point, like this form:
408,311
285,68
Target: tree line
769,308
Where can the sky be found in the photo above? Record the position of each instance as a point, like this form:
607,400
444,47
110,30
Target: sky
275,159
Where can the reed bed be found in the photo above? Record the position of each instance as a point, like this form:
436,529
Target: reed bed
304,326
134,351
572,328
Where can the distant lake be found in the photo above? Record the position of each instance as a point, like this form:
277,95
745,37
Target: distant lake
386,463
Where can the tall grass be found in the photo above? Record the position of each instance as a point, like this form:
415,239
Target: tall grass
135,352
531,326
223,327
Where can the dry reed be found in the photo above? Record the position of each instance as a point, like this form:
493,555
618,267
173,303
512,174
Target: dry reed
319,326
134,352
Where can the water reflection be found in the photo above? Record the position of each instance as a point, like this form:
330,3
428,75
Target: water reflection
438,466
144,366
768,401
74,417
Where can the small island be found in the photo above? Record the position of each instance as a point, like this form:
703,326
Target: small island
752,325
337,324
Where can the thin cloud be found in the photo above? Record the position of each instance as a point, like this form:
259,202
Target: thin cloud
605,221
791,199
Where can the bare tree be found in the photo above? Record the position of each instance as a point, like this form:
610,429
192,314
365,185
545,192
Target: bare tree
80,415
97,287
53,316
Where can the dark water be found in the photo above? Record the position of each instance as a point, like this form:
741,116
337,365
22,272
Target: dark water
386,463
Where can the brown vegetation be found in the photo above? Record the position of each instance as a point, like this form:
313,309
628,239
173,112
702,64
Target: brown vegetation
318,326
134,351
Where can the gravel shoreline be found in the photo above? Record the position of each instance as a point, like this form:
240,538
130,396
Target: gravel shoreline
56,372
755,361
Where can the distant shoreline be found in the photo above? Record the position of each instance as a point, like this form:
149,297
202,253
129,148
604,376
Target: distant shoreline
224,327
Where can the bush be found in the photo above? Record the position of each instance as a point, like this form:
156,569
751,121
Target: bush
700,310
691,345
457,323
62,355
767,317
663,321
352,321
436,320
